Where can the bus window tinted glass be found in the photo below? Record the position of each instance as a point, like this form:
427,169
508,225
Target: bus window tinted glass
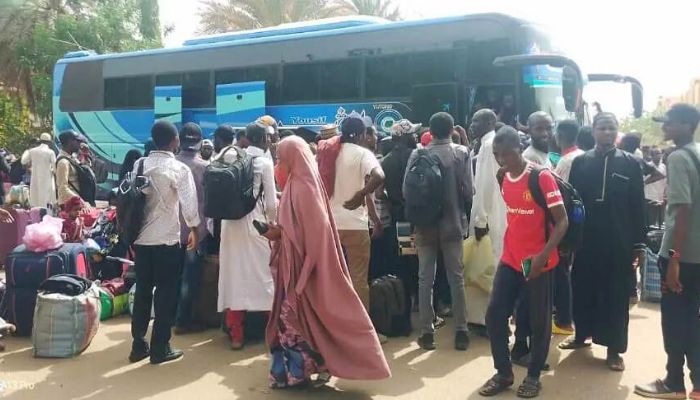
433,67
140,92
480,67
196,90
388,77
115,93
301,82
270,75
340,80
229,76
169,80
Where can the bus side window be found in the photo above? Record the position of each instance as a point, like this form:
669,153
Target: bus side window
388,77
197,90
340,80
301,82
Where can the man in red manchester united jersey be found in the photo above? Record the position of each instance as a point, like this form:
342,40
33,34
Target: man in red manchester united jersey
529,255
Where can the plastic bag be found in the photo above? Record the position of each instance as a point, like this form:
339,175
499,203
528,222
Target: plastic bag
44,236
479,265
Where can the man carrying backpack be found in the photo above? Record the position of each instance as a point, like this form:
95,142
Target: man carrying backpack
72,177
436,187
158,255
529,255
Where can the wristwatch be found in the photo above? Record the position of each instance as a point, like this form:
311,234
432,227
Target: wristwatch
675,255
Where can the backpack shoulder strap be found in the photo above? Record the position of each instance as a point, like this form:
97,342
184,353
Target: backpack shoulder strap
694,158
533,184
535,190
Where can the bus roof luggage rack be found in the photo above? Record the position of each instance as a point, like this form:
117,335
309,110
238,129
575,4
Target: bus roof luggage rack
326,24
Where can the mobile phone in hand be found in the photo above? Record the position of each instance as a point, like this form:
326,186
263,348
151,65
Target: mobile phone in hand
261,227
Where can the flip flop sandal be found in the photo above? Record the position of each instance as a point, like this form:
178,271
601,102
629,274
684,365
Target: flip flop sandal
495,385
529,389
616,364
572,344
524,361
322,379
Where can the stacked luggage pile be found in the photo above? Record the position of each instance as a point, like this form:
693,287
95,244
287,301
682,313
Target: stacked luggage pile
50,295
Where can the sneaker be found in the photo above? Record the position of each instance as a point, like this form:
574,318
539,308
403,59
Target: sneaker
658,390
427,341
138,353
170,354
461,341
557,330
382,338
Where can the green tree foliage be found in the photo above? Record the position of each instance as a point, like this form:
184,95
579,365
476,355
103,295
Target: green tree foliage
377,8
15,124
650,130
42,31
218,16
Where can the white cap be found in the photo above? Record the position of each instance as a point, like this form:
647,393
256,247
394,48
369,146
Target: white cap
45,137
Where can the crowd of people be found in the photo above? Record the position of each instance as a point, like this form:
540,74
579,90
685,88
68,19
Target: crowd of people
324,225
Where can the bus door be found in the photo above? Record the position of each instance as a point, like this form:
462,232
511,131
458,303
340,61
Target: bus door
428,99
168,103
239,104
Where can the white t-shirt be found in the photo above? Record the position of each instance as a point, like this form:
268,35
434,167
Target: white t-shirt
353,164
538,157
563,168
656,191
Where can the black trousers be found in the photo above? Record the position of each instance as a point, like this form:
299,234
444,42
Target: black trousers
510,285
681,327
159,267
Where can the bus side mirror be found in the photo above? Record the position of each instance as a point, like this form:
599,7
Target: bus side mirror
637,100
571,89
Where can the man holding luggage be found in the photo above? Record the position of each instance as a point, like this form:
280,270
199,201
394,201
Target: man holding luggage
158,255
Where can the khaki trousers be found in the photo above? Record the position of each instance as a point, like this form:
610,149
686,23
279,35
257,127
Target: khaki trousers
357,245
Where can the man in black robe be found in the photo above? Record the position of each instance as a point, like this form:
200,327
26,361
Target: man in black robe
612,187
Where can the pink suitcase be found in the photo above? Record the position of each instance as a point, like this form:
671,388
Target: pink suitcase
11,234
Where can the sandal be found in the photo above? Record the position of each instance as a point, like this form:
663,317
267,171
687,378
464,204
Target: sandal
530,388
495,385
322,379
616,364
572,344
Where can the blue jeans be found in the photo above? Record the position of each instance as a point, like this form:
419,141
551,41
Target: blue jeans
189,284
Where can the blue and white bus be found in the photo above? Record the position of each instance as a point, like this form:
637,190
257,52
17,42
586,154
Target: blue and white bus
311,74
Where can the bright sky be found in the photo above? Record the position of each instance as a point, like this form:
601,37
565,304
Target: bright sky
648,40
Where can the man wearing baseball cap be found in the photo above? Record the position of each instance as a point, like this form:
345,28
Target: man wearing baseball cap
42,190
67,181
190,143
207,150
679,259
352,166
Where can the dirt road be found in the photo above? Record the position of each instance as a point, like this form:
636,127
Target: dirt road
211,371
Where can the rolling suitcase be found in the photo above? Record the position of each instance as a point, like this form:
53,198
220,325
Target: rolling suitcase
18,308
28,269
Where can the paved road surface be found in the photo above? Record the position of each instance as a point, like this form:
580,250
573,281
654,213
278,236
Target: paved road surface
211,371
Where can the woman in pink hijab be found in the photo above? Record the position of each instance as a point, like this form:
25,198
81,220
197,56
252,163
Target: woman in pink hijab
318,324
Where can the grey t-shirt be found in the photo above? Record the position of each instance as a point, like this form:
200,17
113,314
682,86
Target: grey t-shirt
683,188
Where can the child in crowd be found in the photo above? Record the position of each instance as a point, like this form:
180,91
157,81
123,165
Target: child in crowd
73,224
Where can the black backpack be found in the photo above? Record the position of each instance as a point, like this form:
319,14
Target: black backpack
423,190
131,205
68,284
575,210
228,187
86,180
387,308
